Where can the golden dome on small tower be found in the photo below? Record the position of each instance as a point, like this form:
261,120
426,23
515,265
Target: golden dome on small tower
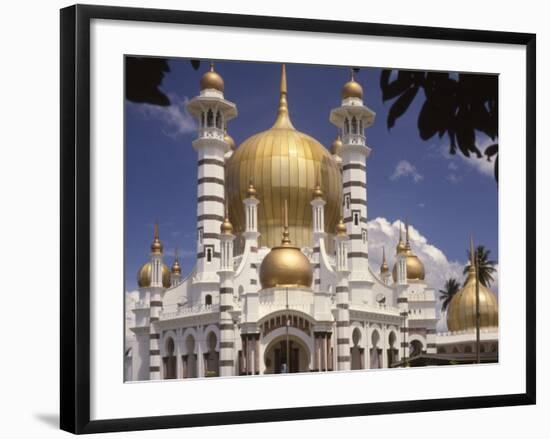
144,275
156,246
251,191
415,267
352,89
341,228
176,268
318,192
229,140
226,228
336,146
212,79
285,265
461,313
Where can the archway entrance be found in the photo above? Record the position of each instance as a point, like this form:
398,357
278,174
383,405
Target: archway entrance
275,357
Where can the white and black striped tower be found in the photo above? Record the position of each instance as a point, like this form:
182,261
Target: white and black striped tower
212,112
400,271
352,118
400,278
318,214
343,360
155,305
226,273
175,276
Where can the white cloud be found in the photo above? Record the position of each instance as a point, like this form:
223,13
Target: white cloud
175,119
405,169
481,165
454,178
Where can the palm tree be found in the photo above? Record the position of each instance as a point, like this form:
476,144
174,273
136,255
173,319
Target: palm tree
486,266
451,288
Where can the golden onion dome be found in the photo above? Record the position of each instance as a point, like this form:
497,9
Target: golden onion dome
212,79
144,276
285,265
176,268
318,192
336,146
229,140
341,228
284,163
415,267
226,228
352,89
251,191
156,245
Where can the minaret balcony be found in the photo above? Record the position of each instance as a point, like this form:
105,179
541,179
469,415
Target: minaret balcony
354,139
211,133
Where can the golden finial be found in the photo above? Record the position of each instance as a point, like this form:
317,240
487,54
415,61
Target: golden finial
286,236
352,89
283,119
407,241
401,247
384,267
212,80
226,228
341,227
472,268
156,246
318,192
176,269
251,192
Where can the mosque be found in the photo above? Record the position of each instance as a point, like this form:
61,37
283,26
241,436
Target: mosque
282,281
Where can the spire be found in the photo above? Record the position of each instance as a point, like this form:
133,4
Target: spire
407,241
156,246
251,192
384,267
176,269
226,228
472,268
286,236
318,192
283,118
401,247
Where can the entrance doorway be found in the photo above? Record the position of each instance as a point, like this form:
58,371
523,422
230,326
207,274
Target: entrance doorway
275,357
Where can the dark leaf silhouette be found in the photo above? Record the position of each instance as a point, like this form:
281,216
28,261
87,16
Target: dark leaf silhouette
143,78
456,105
195,63
450,289
486,265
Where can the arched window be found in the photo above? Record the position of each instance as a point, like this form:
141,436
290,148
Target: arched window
218,120
208,300
169,360
353,125
346,126
190,360
357,352
210,118
211,358
375,352
415,348
203,119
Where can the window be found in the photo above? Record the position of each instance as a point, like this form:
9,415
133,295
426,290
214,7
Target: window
346,126
356,216
209,252
208,300
347,201
203,120
218,120
354,125
364,236
199,230
210,118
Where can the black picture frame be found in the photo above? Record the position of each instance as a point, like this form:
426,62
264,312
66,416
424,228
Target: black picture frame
75,217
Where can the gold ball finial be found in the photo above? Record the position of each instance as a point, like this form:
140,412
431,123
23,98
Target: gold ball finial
212,79
251,192
336,146
341,228
226,228
317,192
176,268
352,89
229,140
156,245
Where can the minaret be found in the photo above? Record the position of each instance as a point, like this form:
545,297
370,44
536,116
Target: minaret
400,276
226,273
251,233
318,215
342,299
175,277
155,304
212,112
385,274
352,118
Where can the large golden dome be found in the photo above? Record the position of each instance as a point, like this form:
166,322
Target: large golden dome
283,163
144,275
461,313
285,265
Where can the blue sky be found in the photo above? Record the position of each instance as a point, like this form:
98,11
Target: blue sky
445,198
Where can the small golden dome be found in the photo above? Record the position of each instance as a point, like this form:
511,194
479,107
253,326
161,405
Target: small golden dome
144,276
317,192
212,79
176,268
251,191
226,228
156,246
285,265
336,146
415,267
341,228
352,89
229,140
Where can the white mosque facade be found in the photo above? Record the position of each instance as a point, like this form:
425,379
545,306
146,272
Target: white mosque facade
282,281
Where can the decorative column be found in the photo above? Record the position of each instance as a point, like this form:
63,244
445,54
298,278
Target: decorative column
343,360
352,118
226,273
212,112
251,233
155,305
318,215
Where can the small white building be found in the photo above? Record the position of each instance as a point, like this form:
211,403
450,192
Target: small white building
282,280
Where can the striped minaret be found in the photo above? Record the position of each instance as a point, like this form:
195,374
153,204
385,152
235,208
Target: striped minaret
226,273
155,305
343,359
212,112
400,273
352,118
318,215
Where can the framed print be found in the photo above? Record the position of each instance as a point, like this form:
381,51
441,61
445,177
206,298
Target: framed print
218,242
